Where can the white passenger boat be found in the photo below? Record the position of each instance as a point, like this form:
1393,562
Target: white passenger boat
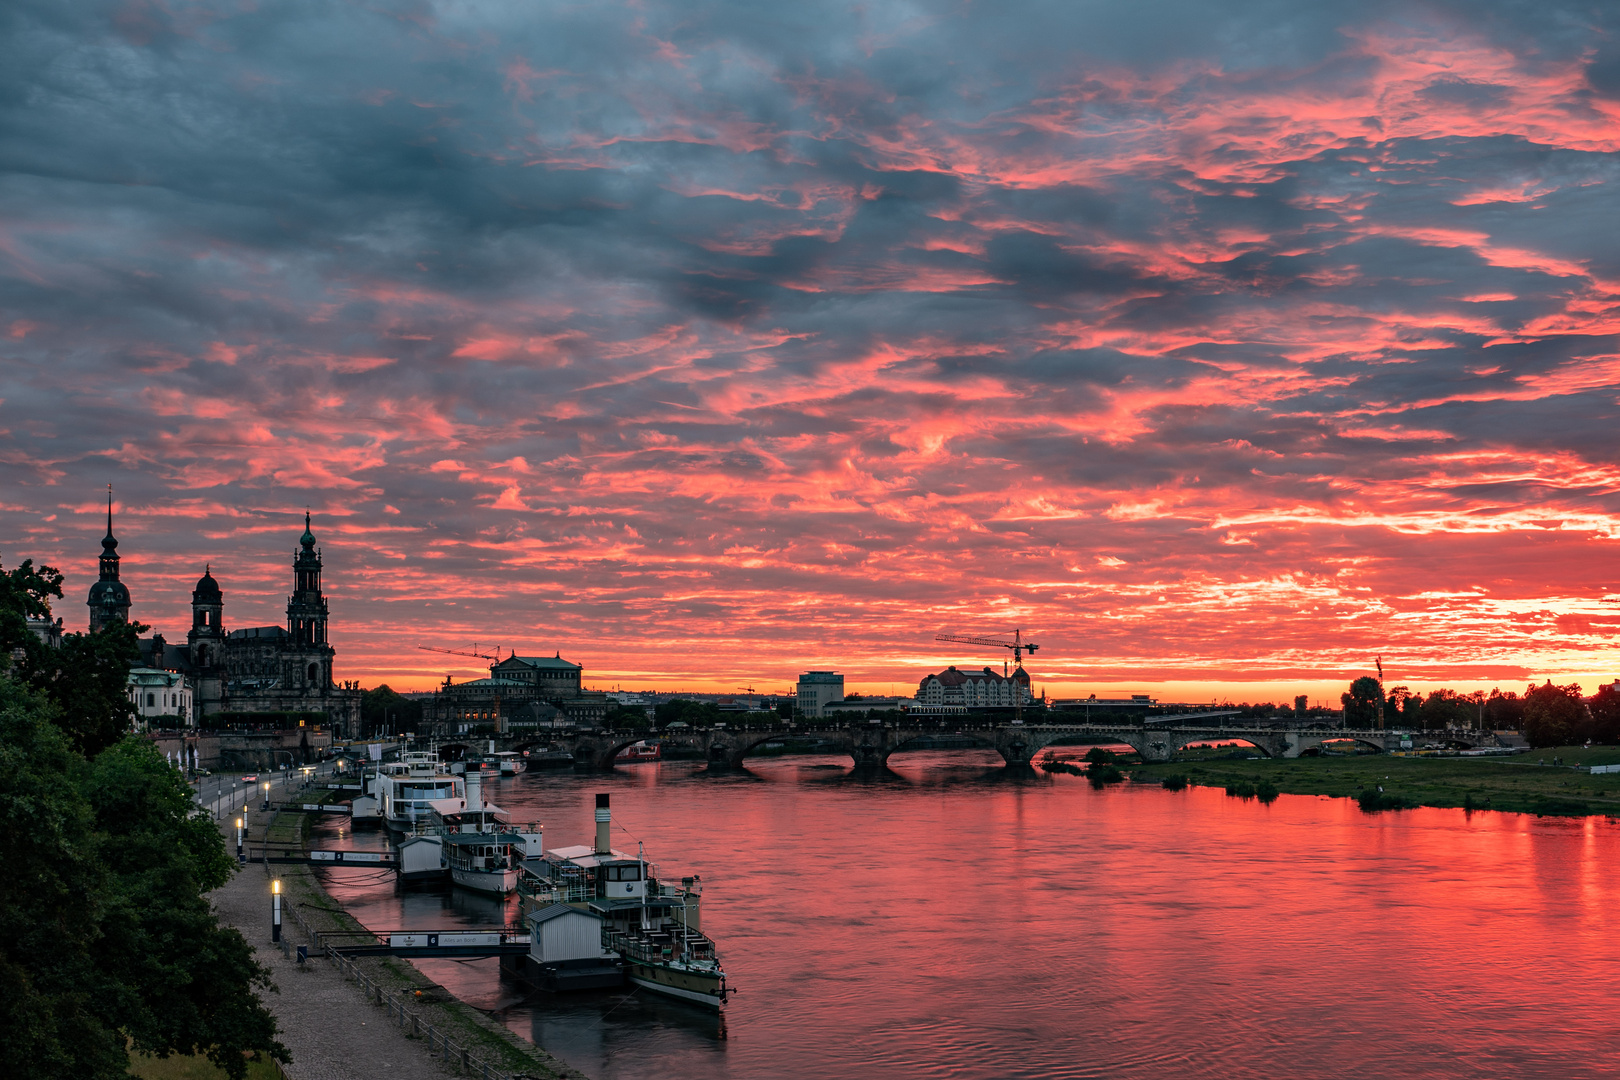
481,847
510,762
589,905
406,790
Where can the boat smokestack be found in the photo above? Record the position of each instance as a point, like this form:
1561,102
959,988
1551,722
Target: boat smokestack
475,789
604,817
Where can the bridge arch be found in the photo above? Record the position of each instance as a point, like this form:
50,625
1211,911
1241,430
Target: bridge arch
1321,742
1215,743
968,740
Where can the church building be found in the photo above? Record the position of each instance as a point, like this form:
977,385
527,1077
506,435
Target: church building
269,675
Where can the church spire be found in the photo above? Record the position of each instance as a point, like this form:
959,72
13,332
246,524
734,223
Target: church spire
109,597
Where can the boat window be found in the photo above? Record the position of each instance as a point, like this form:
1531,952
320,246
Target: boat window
624,873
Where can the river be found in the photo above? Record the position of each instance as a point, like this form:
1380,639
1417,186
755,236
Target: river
953,919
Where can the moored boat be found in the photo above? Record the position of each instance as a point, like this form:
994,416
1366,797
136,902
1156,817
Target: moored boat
481,847
639,751
552,757
585,903
406,790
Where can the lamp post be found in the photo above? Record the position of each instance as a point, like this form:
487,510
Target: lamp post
240,857
266,795
275,912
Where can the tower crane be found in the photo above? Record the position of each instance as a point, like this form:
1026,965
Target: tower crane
1018,646
463,652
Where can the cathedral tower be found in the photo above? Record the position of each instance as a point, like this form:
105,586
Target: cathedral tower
307,648
206,639
109,597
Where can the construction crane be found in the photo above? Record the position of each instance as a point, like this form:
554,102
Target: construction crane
463,652
749,689
1018,646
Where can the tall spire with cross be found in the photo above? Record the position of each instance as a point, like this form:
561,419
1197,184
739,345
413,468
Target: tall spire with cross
109,597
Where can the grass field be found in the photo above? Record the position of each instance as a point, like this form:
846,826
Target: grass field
1518,784
176,1067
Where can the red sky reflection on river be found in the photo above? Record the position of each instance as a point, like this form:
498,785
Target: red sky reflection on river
952,920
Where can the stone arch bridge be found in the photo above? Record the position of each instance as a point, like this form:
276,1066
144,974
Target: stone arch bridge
870,743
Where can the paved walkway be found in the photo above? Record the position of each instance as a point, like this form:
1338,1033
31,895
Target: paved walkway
333,1033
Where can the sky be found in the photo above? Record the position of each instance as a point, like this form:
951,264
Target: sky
1220,347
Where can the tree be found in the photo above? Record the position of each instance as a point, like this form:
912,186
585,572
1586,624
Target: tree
25,593
88,677
1403,706
1446,708
1504,712
1554,715
176,979
53,898
626,718
1361,702
105,932
681,710
1604,707
384,710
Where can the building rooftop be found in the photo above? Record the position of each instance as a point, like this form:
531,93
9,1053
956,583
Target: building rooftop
542,662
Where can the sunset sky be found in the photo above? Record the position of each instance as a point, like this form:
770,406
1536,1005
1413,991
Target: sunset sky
1221,347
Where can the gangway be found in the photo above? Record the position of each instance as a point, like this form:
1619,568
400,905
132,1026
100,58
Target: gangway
313,808
325,857
501,941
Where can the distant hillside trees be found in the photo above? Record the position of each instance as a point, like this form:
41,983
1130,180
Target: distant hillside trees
384,711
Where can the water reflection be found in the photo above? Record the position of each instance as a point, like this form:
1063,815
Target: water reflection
953,918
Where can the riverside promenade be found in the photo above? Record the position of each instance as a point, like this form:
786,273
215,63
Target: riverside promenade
335,1029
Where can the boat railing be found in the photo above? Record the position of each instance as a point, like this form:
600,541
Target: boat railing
546,895
654,947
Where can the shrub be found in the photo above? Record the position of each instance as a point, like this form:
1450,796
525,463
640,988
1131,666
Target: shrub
1266,792
1240,789
1102,773
1175,782
1372,800
1098,755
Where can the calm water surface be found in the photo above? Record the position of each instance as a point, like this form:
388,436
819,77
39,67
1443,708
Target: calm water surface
950,919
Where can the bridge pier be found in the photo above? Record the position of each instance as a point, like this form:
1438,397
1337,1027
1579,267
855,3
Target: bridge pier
1018,746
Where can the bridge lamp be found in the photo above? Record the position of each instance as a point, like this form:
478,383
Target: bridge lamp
275,911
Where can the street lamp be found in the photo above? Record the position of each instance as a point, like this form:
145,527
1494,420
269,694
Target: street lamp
240,857
275,912
266,795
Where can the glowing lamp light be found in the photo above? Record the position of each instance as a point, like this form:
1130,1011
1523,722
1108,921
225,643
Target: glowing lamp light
275,886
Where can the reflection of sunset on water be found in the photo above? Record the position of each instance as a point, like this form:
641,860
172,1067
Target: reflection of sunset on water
1222,356
950,918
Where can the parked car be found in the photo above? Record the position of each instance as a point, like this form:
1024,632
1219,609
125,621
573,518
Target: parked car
250,778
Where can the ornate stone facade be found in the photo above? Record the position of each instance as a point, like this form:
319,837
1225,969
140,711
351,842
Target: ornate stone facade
274,672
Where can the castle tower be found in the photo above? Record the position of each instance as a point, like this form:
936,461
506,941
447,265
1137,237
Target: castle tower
206,638
109,597
307,646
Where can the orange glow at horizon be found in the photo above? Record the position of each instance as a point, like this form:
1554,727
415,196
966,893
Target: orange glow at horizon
1217,373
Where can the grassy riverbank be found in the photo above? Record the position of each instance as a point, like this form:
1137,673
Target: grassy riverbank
1516,784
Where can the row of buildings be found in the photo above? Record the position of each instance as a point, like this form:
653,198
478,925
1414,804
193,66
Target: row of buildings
267,675
820,694
282,676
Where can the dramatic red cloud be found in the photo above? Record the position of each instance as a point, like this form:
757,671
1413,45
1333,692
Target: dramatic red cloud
706,353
